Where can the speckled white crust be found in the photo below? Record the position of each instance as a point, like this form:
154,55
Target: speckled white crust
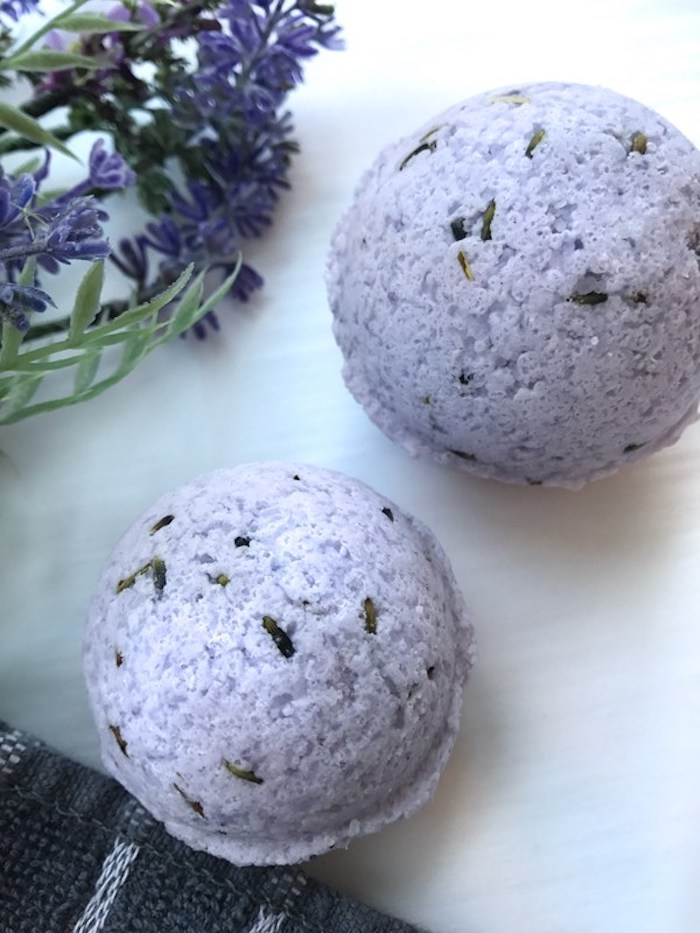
289,623
525,305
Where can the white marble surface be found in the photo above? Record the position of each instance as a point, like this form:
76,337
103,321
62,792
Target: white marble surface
572,802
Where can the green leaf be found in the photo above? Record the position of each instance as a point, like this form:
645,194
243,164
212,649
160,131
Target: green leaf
48,25
48,60
135,348
21,391
141,312
86,370
11,340
187,306
27,168
87,301
14,119
95,22
137,331
11,336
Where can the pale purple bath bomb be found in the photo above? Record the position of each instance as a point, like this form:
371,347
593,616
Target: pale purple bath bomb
516,285
275,659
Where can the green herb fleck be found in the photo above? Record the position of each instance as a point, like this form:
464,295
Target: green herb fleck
241,541
370,616
159,579
195,804
465,378
279,636
296,475
639,298
131,579
534,143
423,147
156,565
389,514
589,298
430,671
466,268
514,98
638,143
630,448
165,520
222,579
459,231
243,773
118,658
488,217
463,455
426,400
120,740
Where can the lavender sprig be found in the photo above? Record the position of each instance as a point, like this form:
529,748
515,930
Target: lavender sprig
219,125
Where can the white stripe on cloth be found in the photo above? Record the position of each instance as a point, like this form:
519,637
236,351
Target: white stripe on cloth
10,751
115,869
267,922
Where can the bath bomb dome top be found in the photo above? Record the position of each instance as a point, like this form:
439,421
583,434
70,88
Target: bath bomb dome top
275,658
516,285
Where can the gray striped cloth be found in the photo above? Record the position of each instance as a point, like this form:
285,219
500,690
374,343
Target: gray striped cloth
78,854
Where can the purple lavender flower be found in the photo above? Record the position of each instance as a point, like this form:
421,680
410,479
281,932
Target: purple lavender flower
15,8
108,171
63,229
73,231
232,106
15,195
16,301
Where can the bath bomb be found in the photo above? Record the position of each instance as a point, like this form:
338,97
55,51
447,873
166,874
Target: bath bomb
275,659
516,285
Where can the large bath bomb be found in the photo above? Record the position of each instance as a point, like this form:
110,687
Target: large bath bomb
275,659
516,285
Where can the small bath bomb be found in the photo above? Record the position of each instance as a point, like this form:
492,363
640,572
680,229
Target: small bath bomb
275,658
516,285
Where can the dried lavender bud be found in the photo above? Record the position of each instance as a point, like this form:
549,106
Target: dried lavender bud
466,268
162,523
423,147
119,738
459,231
243,773
534,143
118,658
195,804
241,541
279,636
589,298
465,378
638,143
370,616
156,565
630,448
129,581
159,578
515,98
463,455
488,217
389,514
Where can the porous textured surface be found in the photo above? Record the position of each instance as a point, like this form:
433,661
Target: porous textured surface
516,286
275,658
